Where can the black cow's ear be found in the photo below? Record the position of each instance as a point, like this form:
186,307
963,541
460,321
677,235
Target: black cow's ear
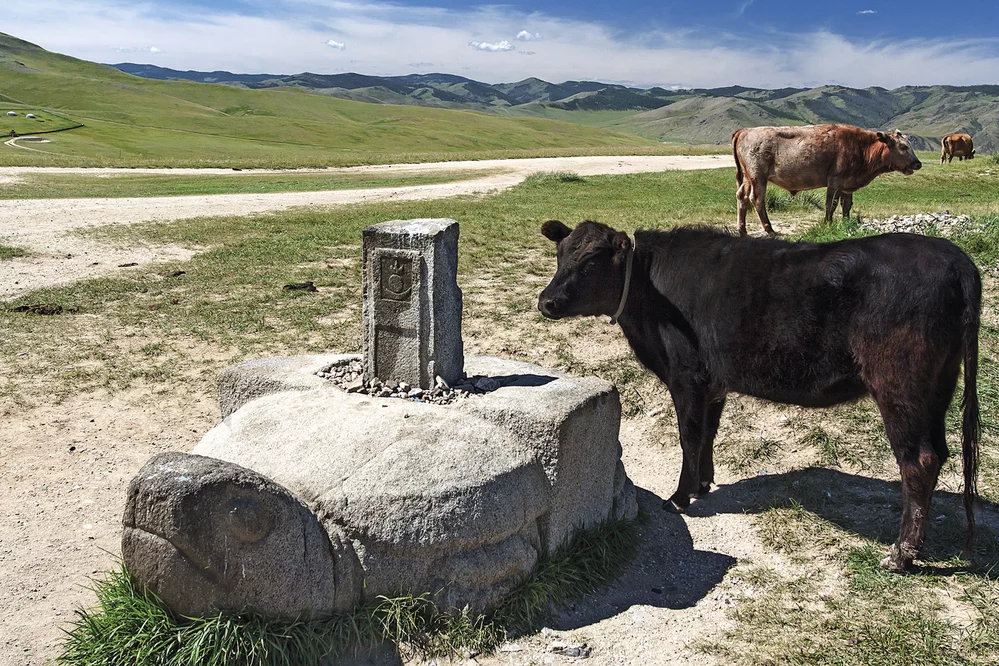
622,243
555,231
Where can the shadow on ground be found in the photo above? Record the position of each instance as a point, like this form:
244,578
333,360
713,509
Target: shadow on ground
667,571
868,507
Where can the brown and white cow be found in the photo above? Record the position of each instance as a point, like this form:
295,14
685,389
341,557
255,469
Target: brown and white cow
840,158
956,145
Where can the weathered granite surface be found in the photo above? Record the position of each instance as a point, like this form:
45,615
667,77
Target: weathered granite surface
204,533
458,501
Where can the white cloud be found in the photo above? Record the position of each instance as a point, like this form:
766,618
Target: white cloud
502,45
526,36
333,44
295,39
140,49
868,11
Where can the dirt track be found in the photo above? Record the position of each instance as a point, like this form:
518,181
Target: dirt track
59,257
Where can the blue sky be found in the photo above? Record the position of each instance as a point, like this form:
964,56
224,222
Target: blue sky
644,43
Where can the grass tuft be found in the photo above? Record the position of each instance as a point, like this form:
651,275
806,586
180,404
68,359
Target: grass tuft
7,252
549,178
130,625
781,201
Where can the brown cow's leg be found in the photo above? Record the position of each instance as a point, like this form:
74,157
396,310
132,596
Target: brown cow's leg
742,201
847,199
832,198
759,195
706,476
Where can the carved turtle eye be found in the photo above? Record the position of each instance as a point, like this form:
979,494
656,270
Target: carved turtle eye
248,520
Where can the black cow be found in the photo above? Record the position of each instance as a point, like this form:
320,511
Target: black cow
892,316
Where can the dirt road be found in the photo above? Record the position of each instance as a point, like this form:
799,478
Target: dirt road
43,226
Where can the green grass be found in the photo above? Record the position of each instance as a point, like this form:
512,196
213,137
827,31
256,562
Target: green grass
44,122
130,120
549,178
129,625
7,252
781,201
76,185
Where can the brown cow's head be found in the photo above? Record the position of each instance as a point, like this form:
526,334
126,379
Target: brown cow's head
590,276
901,156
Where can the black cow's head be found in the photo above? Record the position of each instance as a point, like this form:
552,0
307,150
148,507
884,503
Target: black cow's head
590,276
901,156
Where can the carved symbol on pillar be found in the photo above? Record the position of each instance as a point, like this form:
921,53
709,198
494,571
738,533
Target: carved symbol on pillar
397,278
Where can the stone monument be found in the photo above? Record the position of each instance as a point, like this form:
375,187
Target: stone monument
312,499
412,303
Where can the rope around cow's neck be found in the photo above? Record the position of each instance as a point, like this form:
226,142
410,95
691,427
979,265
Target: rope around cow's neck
627,283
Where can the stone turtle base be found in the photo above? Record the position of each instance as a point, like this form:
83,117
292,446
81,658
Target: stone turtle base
458,501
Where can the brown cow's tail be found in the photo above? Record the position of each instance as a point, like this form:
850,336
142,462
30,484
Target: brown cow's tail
971,288
735,153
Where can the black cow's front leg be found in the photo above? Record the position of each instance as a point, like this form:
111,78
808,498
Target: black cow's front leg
706,475
690,404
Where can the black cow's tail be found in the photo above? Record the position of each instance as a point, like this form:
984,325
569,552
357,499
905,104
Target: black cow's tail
971,288
735,153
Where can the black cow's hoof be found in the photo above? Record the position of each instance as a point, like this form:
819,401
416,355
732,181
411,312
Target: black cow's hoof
703,490
672,507
678,503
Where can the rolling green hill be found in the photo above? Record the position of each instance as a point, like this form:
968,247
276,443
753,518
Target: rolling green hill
128,119
925,113
706,115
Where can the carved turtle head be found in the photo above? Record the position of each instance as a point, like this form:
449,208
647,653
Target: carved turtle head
204,533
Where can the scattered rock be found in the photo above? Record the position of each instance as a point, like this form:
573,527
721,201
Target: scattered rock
129,264
942,223
486,384
347,375
581,651
176,274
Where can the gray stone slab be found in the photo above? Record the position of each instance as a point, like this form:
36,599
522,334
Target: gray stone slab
411,307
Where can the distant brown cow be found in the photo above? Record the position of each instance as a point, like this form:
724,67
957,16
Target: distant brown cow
956,145
840,158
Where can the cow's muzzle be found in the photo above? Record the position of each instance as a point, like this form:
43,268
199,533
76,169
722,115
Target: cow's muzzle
549,307
914,166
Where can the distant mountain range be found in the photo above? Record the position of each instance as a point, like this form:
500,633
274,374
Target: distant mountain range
698,116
